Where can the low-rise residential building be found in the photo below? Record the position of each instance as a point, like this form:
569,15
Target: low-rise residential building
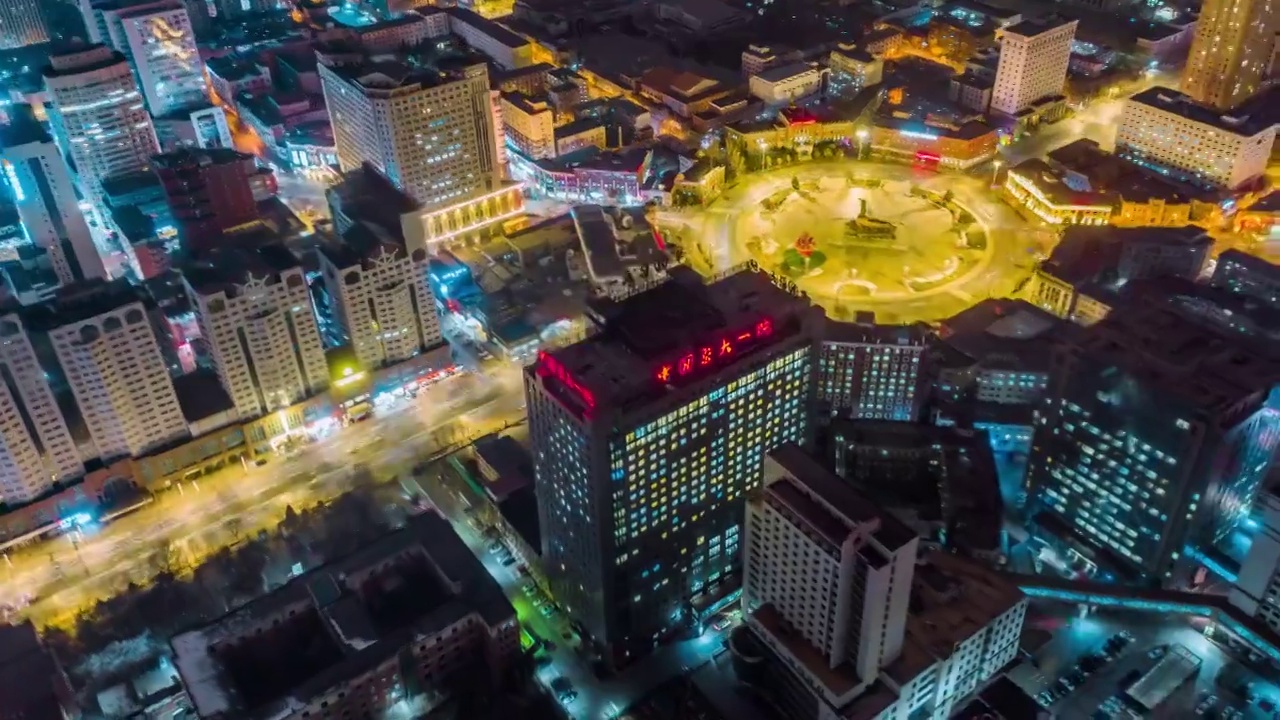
758,58
684,93
407,30
405,621
621,250
579,134
1169,132
971,90
863,68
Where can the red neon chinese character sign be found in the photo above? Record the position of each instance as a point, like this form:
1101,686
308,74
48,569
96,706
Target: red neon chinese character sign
685,366
548,366
719,352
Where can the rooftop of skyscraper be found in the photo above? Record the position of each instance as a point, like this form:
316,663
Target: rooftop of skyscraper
76,58
1002,333
224,269
1245,122
81,301
1175,337
1037,26
681,329
864,330
336,622
22,128
406,73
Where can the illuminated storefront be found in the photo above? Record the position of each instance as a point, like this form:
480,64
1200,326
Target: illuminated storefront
1053,202
947,145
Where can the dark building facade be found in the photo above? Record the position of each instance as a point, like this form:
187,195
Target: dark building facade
1155,433
646,438
208,192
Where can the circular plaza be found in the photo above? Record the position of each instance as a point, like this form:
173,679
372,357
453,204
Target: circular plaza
905,243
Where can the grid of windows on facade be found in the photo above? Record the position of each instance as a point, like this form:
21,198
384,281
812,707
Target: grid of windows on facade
562,452
672,475
876,382
1118,492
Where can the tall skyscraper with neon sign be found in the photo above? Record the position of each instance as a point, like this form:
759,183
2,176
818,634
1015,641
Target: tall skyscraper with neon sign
647,436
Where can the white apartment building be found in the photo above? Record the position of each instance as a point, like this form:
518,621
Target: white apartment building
380,295
40,185
1034,55
1257,589
785,83
158,40
1169,132
854,624
831,565
108,351
509,50
29,462
22,23
431,135
530,125
98,117
254,310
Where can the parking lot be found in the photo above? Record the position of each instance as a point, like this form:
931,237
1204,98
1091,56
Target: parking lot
1084,671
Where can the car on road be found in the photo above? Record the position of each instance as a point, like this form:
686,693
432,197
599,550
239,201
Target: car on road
568,697
547,610
1157,652
508,562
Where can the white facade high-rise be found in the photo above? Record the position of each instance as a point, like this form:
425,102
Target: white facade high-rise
36,449
1034,55
22,23
431,133
158,40
98,117
41,187
256,316
111,359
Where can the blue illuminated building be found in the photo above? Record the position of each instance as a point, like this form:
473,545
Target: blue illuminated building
1155,433
648,435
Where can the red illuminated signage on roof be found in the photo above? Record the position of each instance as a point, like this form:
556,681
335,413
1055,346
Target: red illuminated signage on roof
548,366
720,351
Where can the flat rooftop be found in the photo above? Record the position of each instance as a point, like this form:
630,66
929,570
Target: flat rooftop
381,76
1246,125
785,72
952,598
636,338
490,28
830,504
272,656
1037,26
1002,333
612,249
225,268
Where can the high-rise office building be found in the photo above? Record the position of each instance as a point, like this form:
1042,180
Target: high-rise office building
847,621
105,344
1257,588
1167,131
1232,51
430,131
41,187
376,284
208,191
869,371
1034,55
36,449
98,117
158,41
648,434
1156,430
22,23
255,313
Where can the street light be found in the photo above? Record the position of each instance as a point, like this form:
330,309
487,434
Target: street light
995,169
862,140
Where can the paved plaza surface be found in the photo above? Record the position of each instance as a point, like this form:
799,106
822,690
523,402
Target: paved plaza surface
906,243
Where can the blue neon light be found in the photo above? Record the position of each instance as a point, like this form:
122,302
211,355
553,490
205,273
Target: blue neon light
1212,565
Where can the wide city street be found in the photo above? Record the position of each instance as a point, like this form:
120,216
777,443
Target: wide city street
50,582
